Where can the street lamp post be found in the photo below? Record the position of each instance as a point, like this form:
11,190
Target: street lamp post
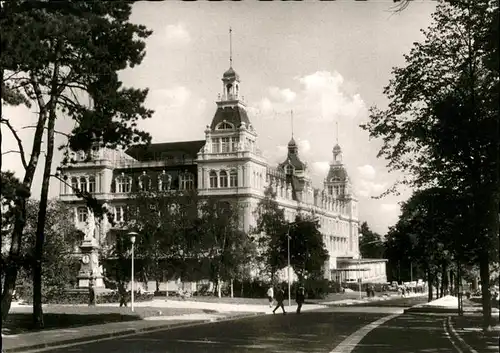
132,240
288,252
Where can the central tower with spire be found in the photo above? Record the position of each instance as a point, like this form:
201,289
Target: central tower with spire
230,159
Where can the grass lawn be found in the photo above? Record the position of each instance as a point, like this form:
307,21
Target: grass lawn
225,300
60,317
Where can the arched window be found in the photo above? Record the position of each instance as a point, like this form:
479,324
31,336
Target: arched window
223,179
186,181
213,179
92,186
289,169
83,184
83,214
74,185
224,126
233,178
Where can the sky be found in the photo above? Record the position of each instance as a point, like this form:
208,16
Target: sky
326,61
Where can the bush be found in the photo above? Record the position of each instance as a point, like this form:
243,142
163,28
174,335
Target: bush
250,288
81,296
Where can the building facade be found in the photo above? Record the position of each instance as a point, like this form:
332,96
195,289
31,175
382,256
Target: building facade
228,164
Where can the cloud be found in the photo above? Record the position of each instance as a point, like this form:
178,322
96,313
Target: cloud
369,188
265,105
283,95
177,33
326,98
367,171
320,168
390,207
169,98
304,146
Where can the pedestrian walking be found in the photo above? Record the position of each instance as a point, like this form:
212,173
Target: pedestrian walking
300,297
270,295
280,297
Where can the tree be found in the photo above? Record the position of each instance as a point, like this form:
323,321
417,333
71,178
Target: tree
442,126
308,252
370,243
164,220
58,260
271,228
55,55
223,244
432,233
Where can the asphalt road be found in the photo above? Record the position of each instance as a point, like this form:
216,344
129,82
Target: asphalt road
315,332
320,331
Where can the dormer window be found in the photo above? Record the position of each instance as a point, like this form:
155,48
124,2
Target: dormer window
289,169
224,126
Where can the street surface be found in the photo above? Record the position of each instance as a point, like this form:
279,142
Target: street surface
319,331
313,331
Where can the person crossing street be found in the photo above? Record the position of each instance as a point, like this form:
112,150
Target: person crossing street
300,297
280,297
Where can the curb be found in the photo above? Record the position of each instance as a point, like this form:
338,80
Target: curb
123,333
452,332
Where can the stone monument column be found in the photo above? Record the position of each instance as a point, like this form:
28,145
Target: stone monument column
89,267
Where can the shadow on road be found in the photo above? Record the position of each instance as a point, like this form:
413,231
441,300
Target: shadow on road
313,332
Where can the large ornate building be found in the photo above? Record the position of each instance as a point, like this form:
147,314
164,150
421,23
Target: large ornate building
228,164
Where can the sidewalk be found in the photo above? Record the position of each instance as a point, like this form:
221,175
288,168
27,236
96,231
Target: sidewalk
468,332
446,305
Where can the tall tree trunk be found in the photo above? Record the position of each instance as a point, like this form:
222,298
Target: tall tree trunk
430,280
40,228
444,283
14,257
484,271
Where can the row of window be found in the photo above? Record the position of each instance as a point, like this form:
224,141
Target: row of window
124,183
336,190
223,179
225,144
84,184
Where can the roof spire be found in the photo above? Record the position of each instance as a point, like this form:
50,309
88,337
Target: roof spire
337,132
230,47
291,118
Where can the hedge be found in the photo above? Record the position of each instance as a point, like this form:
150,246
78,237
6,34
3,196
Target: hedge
81,296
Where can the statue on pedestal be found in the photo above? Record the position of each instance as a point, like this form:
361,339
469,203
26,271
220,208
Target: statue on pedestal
90,230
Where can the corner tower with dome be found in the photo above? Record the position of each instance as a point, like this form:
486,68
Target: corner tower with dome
227,164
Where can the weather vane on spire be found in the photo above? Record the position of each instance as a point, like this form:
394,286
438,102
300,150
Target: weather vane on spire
291,119
230,48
